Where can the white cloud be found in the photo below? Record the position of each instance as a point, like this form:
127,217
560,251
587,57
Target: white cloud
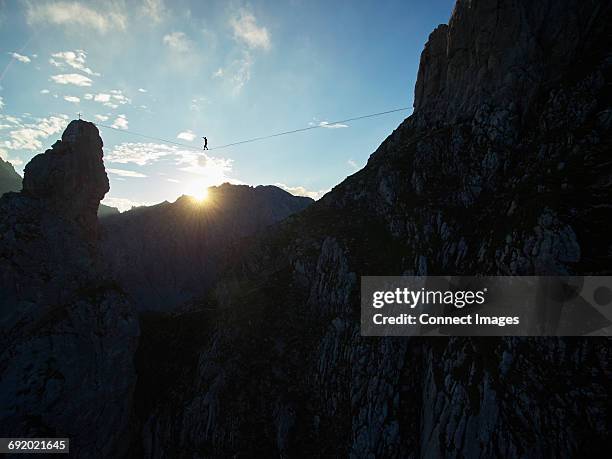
210,170
213,170
173,180
186,135
44,91
5,156
125,173
71,78
327,125
139,153
20,58
65,13
112,100
102,97
101,117
246,30
1,103
123,204
74,59
352,164
218,73
155,9
117,95
301,191
177,41
142,90
29,136
73,99
120,122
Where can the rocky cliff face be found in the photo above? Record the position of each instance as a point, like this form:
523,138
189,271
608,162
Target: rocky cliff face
169,254
68,334
502,169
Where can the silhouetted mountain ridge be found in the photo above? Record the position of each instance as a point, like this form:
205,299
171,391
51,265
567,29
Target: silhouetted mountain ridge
167,254
503,169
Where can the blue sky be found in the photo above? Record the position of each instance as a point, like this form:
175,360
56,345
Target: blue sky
229,70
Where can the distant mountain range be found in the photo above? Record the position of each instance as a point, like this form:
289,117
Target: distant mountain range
10,180
170,253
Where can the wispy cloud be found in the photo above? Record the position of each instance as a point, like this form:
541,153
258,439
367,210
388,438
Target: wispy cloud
302,191
237,74
155,9
327,125
352,164
197,102
44,91
142,90
1,103
118,96
72,99
21,58
101,117
177,41
29,136
210,170
186,135
140,153
125,173
65,13
120,122
71,78
248,32
74,59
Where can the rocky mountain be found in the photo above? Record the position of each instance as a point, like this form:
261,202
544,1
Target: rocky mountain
106,211
167,254
67,332
10,180
502,169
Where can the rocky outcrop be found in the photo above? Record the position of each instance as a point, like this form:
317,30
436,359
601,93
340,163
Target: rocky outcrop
68,334
9,179
502,169
168,254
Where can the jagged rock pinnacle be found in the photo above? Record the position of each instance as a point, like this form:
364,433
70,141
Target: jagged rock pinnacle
71,175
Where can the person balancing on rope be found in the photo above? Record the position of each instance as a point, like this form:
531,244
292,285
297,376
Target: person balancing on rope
205,143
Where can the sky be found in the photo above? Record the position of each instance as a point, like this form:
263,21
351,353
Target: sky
228,70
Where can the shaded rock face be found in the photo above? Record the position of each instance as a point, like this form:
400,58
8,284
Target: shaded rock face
168,254
68,181
67,332
9,179
503,169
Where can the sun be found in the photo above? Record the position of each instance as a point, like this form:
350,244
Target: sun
199,194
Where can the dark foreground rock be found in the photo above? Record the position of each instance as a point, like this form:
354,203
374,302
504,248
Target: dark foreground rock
504,168
67,333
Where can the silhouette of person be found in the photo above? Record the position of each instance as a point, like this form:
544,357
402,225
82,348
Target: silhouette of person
205,143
